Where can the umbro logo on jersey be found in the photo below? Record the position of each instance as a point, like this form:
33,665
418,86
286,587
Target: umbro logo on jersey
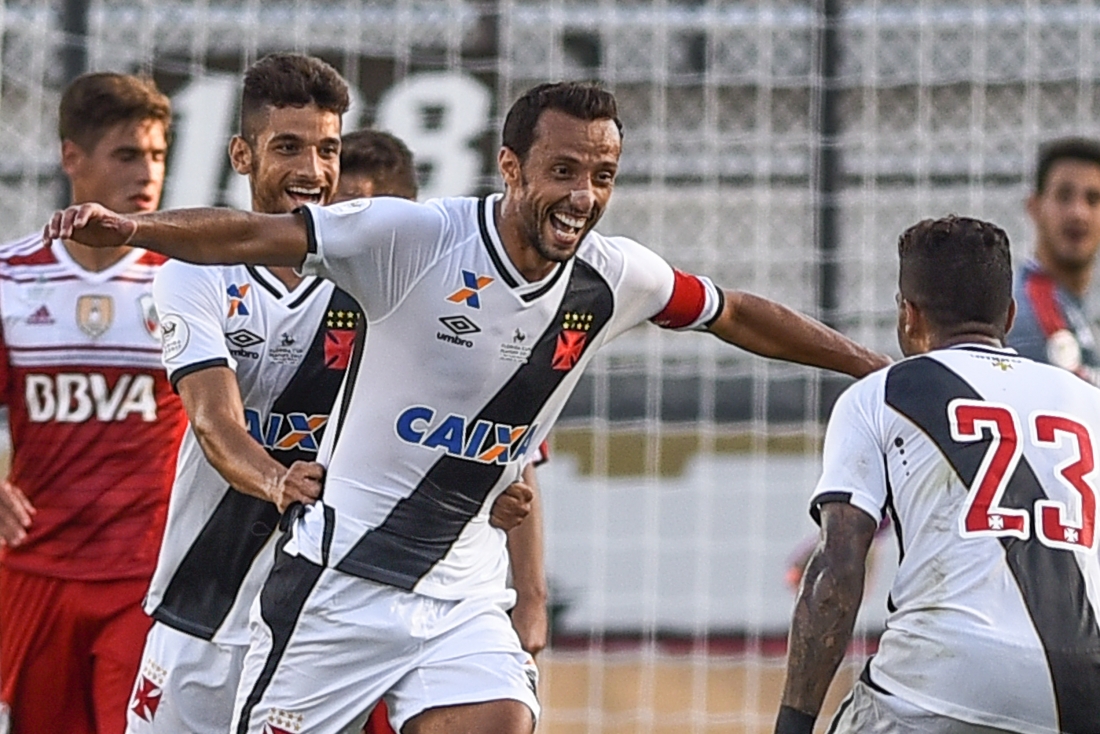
286,432
473,285
242,339
40,317
459,326
484,441
237,293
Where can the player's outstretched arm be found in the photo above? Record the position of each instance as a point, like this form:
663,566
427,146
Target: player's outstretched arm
525,550
770,329
206,236
212,401
825,613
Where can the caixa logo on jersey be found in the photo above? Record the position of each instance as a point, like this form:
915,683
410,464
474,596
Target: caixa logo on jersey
286,432
482,441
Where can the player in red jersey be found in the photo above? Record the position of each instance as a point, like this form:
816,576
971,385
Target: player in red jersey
95,429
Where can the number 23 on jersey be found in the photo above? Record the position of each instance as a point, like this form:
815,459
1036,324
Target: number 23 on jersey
1057,525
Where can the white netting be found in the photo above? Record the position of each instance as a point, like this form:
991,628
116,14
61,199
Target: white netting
678,485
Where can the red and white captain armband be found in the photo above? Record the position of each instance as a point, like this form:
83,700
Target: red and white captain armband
695,303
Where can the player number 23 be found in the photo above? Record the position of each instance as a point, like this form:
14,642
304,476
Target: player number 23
1057,525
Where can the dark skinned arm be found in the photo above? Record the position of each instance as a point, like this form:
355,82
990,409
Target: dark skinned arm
825,613
770,329
525,549
205,236
213,404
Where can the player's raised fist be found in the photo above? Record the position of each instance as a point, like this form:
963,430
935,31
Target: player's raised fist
511,507
90,224
301,483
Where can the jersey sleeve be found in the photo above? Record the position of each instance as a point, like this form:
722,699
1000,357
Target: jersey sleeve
375,249
854,464
670,298
192,311
5,369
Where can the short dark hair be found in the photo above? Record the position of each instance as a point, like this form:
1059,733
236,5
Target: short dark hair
290,80
94,102
1062,149
583,100
381,157
957,270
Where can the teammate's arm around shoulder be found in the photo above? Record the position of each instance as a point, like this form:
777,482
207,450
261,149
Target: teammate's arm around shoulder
206,236
771,329
213,404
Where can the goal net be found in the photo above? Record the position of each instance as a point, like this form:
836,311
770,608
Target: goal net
777,146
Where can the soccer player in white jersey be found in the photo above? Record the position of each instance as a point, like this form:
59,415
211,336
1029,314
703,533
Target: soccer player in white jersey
985,461
482,315
257,356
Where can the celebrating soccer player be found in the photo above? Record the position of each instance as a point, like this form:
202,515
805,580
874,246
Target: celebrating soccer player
95,428
985,461
482,313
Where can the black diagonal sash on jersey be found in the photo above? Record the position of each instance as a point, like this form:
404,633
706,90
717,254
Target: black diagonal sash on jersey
422,527
205,586
1050,580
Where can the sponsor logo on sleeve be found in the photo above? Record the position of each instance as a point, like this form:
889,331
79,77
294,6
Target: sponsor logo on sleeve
472,284
174,336
94,314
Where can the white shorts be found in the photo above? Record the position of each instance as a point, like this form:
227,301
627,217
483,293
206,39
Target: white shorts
326,646
870,711
186,684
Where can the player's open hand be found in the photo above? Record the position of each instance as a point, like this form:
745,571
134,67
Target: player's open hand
90,224
512,506
301,483
16,514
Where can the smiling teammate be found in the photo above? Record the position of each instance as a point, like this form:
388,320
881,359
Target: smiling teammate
400,558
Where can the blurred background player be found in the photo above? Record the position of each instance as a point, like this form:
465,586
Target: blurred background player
1051,323
981,456
95,428
376,163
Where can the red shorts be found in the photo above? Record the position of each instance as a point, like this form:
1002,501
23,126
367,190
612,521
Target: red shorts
69,651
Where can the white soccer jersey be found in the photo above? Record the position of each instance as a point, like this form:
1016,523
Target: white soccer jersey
290,350
466,367
986,462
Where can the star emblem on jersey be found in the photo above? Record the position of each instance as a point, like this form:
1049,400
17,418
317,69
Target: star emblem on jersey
237,293
571,340
148,691
94,314
340,319
473,285
283,722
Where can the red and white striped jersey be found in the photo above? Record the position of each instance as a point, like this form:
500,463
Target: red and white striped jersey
95,425
986,462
